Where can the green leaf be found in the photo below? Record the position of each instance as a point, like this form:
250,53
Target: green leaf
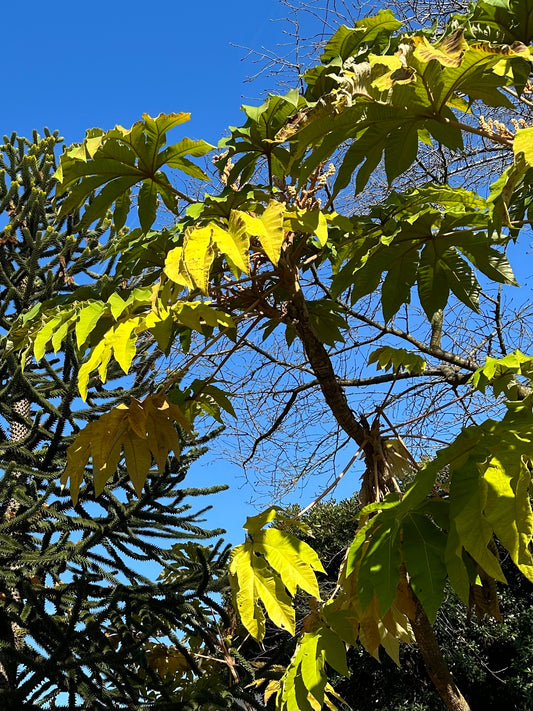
433,288
397,359
334,650
401,150
147,204
423,547
312,670
396,288
346,40
379,570
116,160
173,155
455,566
468,496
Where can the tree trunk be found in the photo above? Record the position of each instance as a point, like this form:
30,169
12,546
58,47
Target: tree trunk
436,666
335,398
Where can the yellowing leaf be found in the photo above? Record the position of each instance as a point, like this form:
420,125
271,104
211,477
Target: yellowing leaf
174,268
140,431
234,242
268,228
198,255
293,559
138,460
77,457
449,52
107,434
272,240
523,143
137,418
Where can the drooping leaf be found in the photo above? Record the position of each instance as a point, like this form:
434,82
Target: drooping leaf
139,432
397,359
423,547
293,559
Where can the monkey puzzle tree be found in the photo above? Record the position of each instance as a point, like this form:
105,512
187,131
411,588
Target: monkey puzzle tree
82,621
272,253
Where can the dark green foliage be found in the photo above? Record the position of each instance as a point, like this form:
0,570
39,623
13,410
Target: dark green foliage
80,613
490,660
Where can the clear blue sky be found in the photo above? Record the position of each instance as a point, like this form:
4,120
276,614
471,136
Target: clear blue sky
72,65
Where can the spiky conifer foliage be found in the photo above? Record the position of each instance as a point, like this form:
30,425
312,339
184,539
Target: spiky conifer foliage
82,622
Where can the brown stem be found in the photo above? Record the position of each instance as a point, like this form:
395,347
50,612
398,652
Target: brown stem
321,363
436,666
336,399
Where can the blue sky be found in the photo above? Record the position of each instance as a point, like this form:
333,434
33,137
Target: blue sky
72,65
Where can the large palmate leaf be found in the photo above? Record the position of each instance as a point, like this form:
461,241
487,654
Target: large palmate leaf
113,162
190,265
423,547
262,570
256,139
347,41
304,685
397,359
433,249
141,432
500,21
501,374
106,329
382,104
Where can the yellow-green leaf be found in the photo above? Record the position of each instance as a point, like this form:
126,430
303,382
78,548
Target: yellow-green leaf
43,336
243,586
96,358
523,143
293,559
122,340
87,320
255,523
271,591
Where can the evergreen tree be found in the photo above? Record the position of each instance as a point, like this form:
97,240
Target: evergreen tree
82,623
